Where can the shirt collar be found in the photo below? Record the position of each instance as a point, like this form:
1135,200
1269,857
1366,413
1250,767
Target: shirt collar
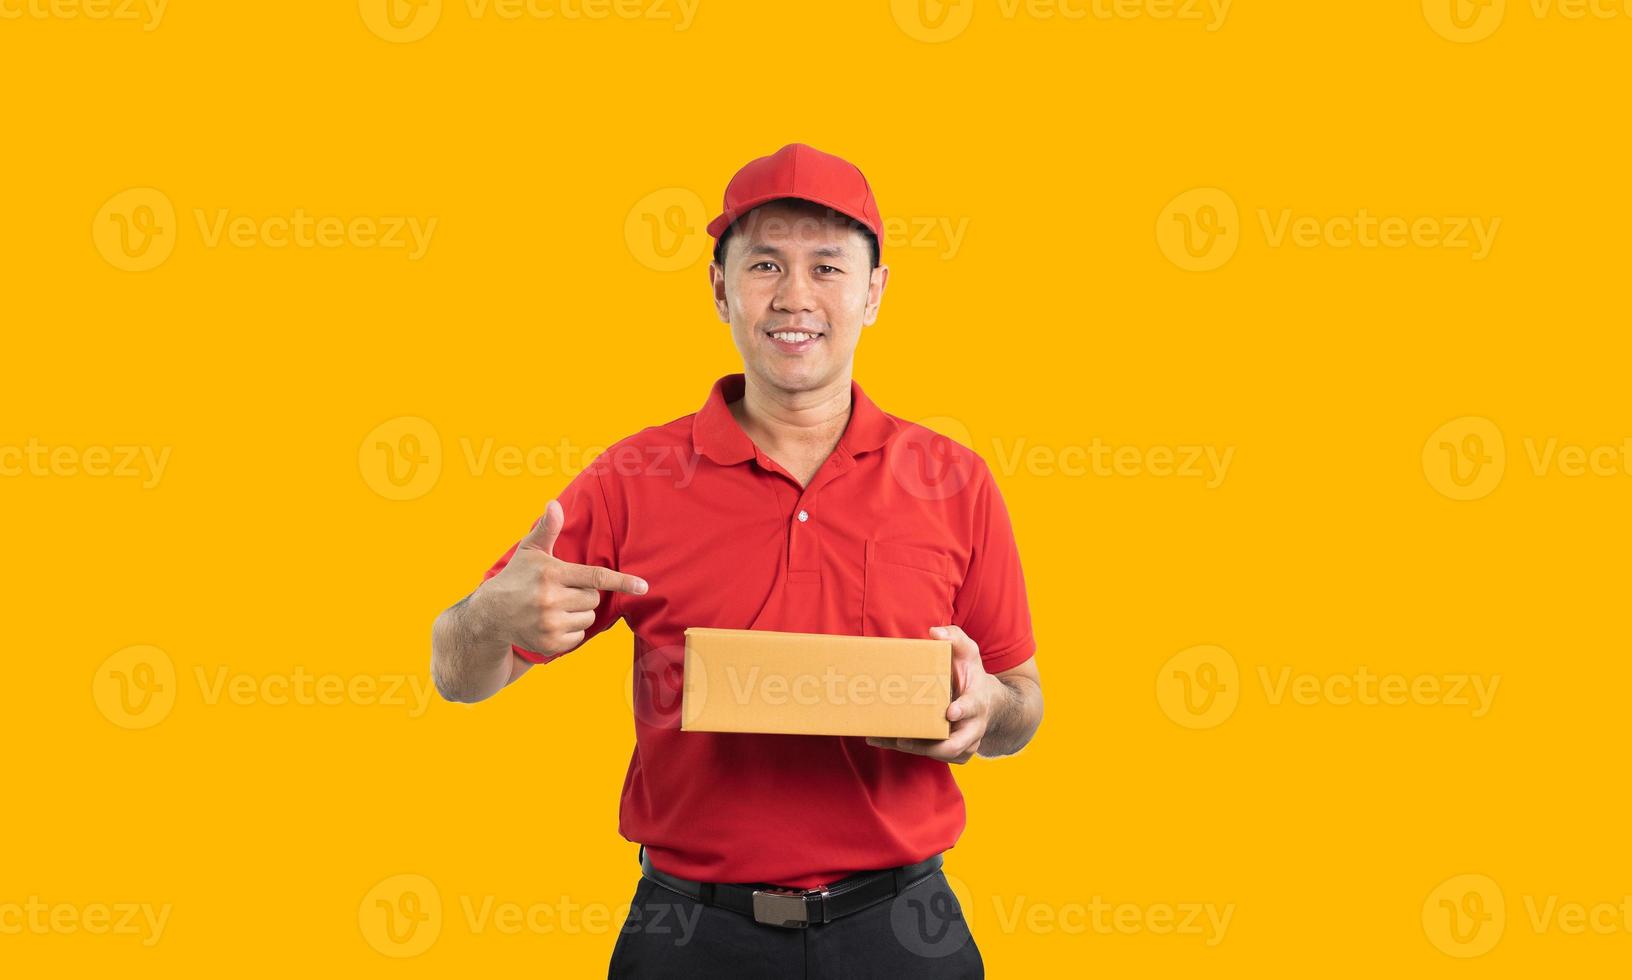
716,434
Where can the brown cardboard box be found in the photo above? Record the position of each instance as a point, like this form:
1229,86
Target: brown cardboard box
815,684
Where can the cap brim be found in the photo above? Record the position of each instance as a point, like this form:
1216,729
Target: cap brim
726,219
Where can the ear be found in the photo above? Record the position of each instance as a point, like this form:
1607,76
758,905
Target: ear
875,294
716,282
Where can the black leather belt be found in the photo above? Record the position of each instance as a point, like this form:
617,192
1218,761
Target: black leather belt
792,908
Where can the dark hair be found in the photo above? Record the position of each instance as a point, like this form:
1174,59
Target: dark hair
866,232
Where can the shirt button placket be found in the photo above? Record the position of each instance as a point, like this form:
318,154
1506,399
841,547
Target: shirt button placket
802,540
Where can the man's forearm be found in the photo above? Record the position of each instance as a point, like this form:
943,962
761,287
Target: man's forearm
1016,712
469,661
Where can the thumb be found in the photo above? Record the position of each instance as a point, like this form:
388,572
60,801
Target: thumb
542,536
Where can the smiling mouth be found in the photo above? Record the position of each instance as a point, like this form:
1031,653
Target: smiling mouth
792,336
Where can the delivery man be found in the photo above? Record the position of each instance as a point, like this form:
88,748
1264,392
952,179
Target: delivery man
791,502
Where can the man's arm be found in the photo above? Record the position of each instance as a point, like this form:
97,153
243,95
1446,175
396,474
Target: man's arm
537,602
469,661
1017,710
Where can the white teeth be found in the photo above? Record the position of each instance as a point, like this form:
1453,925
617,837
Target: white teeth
791,337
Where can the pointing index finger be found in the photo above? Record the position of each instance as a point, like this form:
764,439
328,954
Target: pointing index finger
604,579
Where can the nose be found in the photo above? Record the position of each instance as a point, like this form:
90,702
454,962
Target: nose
794,293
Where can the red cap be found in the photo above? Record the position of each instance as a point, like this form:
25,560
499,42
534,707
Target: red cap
804,172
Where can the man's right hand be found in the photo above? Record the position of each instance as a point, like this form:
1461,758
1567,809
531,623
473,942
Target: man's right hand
543,604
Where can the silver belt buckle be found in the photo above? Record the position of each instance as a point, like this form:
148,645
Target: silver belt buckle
783,907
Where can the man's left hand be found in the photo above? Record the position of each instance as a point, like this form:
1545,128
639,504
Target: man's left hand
976,694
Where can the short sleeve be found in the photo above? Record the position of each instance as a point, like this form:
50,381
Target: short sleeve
587,538
991,604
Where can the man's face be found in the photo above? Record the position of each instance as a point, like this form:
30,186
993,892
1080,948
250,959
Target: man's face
797,287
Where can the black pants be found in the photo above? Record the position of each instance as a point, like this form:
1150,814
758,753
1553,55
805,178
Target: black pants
919,933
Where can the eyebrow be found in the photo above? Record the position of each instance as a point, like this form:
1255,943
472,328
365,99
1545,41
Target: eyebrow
823,251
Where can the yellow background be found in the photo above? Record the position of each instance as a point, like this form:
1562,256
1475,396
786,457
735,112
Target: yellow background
538,315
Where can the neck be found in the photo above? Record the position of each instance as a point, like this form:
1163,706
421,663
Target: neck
799,420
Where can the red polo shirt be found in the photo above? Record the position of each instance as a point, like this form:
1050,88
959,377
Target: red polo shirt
900,530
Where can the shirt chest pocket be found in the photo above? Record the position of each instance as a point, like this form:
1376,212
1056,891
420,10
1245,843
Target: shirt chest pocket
906,591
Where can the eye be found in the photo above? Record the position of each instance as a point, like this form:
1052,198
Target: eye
828,268
756,265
